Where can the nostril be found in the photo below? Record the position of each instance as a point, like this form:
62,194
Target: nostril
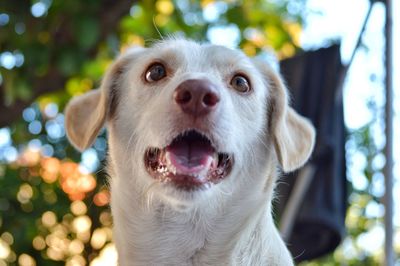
210,99
196,97
183,97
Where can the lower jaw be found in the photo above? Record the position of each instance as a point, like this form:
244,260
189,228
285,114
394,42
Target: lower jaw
161,173
185,182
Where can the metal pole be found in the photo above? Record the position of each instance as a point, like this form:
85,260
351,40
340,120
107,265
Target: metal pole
388,170
303,181
345,68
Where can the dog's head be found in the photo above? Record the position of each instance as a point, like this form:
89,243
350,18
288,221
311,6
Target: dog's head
186,117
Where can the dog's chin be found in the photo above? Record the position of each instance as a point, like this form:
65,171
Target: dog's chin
189,164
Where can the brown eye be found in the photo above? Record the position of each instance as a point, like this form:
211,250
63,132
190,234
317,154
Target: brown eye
241,84
155,72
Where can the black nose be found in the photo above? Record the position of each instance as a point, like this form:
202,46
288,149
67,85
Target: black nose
196,97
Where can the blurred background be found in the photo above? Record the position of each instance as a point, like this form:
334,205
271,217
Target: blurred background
54,200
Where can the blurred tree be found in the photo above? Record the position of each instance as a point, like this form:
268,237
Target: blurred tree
45,43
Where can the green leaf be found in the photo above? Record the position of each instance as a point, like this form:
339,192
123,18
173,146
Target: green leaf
237,15
69,62
87,32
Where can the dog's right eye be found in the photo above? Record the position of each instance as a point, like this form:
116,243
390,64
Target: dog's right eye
241,83
155,72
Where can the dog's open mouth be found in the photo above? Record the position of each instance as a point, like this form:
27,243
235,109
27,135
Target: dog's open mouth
190,162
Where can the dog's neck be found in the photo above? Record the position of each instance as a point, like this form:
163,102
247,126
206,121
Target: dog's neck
207,235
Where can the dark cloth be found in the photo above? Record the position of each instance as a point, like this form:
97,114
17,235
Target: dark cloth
313,79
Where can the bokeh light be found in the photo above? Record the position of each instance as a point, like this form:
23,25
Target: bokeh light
26,260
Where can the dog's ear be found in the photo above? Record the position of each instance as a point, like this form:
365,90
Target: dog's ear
84,117
86,114
293,135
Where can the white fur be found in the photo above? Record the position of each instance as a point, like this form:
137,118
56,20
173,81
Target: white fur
231,222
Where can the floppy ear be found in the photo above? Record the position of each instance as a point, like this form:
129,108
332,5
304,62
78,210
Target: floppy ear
293,135
84,117
86,114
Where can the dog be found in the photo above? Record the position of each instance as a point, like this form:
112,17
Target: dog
197,135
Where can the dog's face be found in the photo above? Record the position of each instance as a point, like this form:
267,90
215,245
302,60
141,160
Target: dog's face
185,118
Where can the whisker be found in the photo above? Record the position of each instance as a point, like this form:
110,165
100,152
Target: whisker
158,31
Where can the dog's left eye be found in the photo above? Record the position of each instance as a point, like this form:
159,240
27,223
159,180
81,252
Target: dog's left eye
155,72
241,84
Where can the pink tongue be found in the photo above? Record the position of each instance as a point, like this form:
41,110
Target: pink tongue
189,157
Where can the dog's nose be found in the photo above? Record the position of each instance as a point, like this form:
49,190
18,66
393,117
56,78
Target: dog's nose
196,97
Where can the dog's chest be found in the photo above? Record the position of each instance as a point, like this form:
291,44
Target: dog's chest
168,239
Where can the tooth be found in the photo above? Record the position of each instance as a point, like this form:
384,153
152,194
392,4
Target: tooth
215,162
162,156
173,170
169,166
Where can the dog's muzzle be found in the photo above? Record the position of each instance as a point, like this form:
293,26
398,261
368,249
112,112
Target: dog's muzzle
189,162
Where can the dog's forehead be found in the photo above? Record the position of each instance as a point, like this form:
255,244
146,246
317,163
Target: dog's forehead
194,54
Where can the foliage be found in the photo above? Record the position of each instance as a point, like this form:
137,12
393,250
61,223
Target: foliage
53,203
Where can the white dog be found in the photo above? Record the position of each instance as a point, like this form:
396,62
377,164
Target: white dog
196,134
